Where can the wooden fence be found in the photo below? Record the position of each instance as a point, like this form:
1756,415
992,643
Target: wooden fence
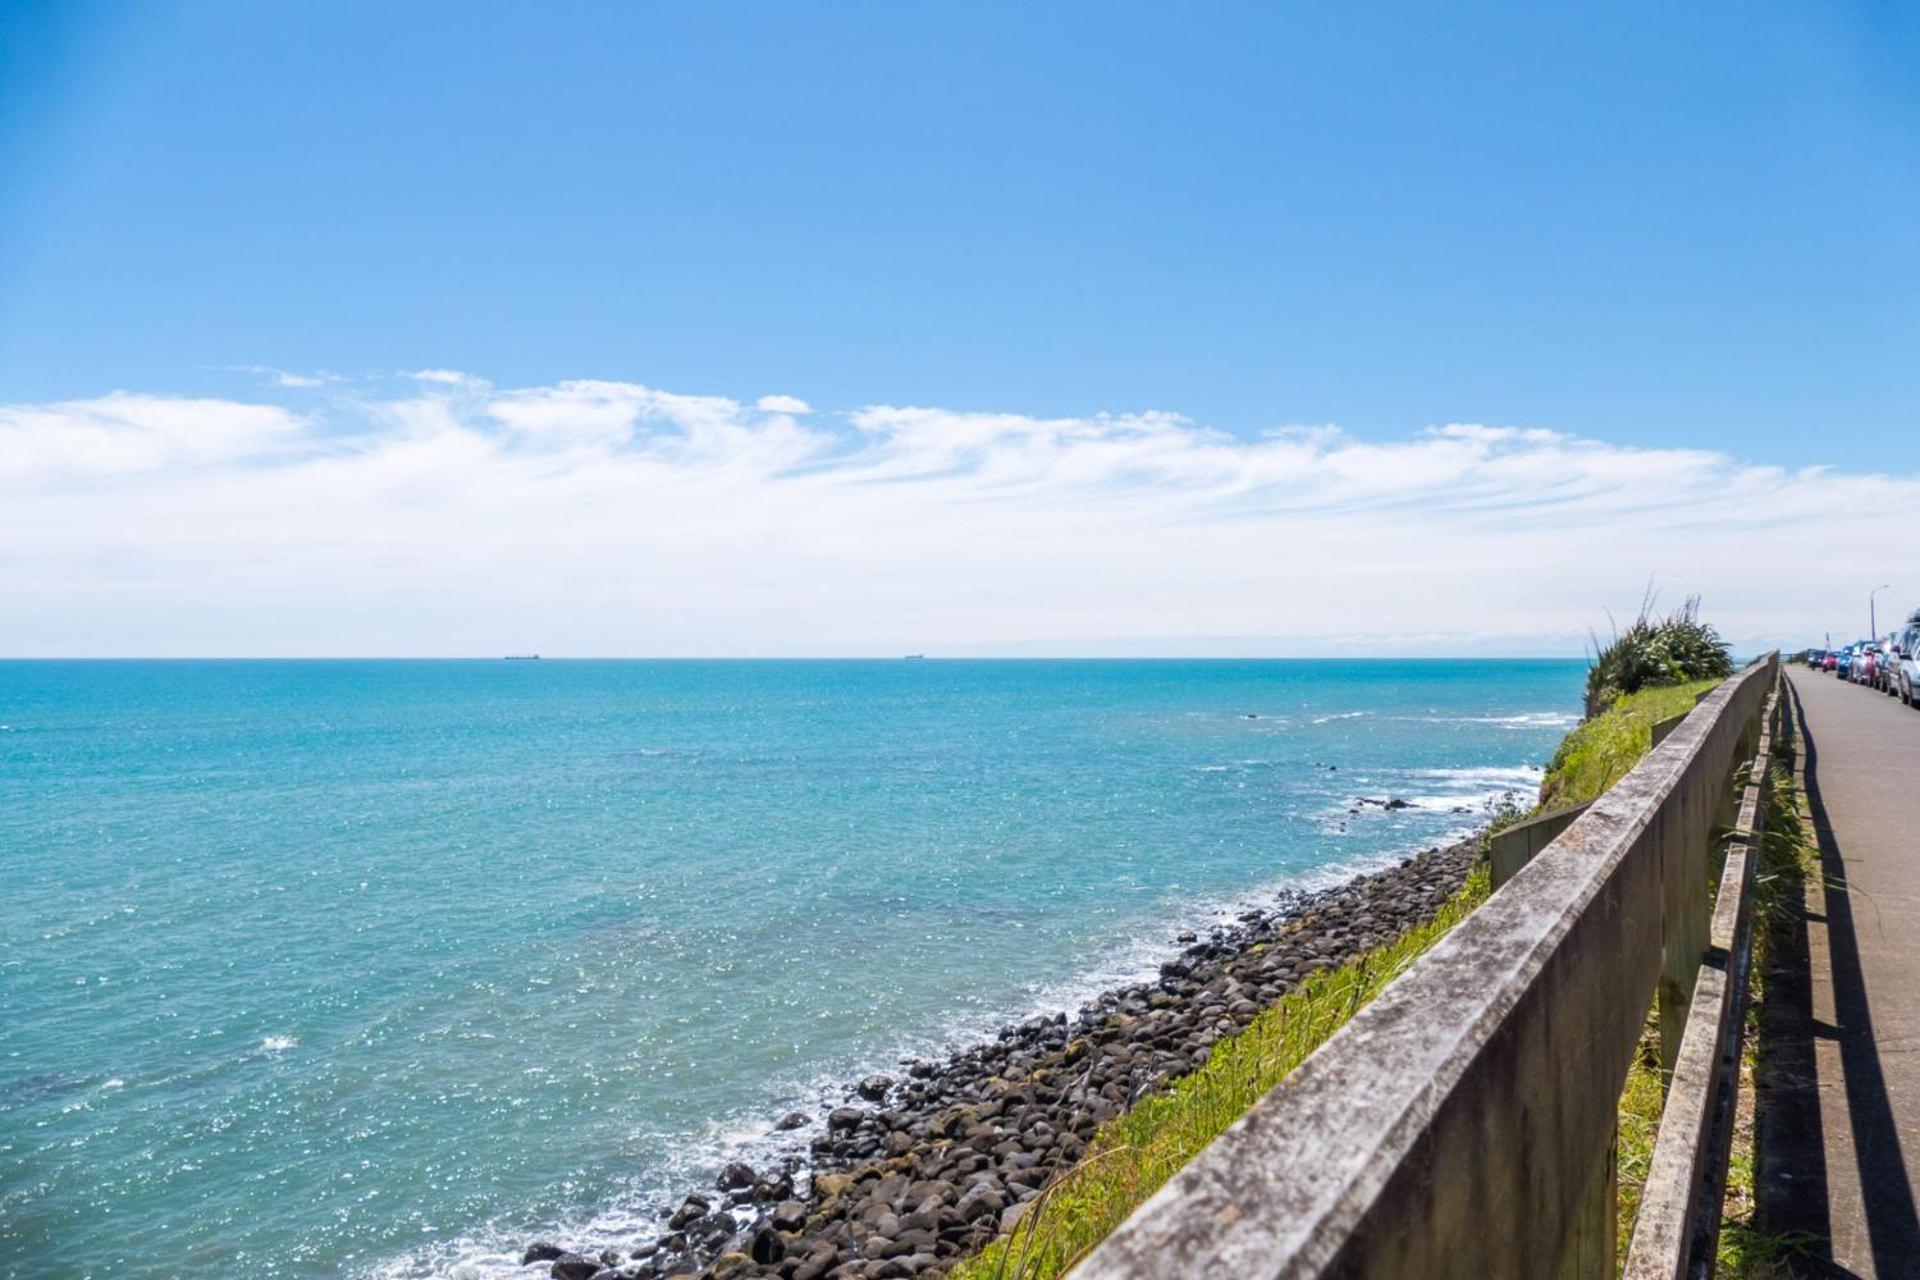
1463,1124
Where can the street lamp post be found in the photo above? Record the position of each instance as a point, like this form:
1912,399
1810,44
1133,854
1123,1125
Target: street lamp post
1873,624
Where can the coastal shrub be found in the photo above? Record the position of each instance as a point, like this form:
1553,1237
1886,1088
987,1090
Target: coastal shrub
1656,651
1599,752
1133,1155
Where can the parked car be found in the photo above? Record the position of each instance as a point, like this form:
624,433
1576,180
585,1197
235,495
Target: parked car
1864,656
1886,664
1830,661
1906,676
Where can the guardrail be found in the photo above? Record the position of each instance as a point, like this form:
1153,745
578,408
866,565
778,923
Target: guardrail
1677,1228
1463,1123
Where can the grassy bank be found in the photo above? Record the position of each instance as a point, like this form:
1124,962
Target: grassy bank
1598,753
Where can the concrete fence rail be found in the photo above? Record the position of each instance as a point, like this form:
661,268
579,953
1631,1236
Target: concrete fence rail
1463,1123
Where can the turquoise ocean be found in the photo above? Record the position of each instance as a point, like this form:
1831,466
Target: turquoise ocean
381,969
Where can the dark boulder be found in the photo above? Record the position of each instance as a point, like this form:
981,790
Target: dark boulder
574,1266
736,1176
692,1209
541,1251
767,1247
793,1120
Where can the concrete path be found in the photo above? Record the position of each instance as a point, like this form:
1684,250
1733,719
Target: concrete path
1841,1150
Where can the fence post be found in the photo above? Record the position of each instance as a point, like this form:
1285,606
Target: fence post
1594,1243
1692,867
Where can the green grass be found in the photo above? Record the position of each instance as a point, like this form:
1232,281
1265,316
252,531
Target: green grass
1598,753
1133,1155
1788,856
1641,1102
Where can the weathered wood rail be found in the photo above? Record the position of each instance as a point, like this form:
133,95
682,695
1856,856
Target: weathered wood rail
1463,1124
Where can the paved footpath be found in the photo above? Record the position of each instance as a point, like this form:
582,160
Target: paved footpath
1843,1163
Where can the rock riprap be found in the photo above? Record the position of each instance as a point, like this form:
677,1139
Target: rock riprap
910,1175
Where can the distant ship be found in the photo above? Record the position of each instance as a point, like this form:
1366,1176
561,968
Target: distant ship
915,657
523,657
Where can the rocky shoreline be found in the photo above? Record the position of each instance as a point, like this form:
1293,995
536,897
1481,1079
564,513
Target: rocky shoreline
914,1173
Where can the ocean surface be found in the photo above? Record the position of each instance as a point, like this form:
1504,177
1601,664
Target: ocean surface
381,969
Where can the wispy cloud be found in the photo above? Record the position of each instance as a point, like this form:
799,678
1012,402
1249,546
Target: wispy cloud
282,378
612,517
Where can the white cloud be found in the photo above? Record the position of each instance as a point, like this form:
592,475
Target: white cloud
282,378
446,377
611,517
782,404
122,433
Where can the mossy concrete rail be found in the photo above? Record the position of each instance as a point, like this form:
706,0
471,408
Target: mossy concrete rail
1463,1123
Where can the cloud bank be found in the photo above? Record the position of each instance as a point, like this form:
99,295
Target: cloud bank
451,516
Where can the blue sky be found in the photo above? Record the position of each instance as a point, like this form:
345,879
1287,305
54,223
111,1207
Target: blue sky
1650,224
834,328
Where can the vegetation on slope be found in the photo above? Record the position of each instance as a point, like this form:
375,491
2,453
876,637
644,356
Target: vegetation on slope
1599,752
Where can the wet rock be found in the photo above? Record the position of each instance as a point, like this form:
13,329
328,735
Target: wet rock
845,1119
541,1251
574,1266
736,1176
691,1210
793,1120
874,1088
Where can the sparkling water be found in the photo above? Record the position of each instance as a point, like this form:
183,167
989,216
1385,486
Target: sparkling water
385,968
